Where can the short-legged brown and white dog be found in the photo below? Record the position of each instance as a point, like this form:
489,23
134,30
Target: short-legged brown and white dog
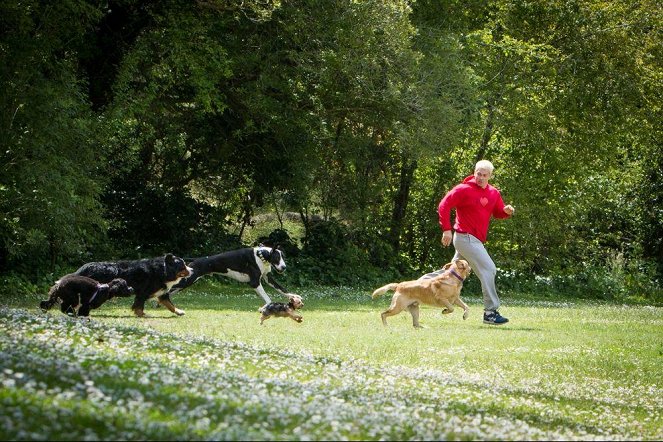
440,291
282,310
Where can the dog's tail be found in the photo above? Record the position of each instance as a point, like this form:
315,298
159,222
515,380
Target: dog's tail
52,297
384,289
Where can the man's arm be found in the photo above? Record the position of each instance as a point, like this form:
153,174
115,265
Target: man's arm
444,208
447,237
444,215
500,210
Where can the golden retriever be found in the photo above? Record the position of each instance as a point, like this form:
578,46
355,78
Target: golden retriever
440,291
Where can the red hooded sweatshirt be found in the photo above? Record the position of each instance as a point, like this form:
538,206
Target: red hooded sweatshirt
473,205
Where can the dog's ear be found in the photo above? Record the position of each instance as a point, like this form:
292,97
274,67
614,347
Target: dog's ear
169,258
446,266
464,267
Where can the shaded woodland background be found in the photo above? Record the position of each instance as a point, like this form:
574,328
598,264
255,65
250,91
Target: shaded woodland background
134,128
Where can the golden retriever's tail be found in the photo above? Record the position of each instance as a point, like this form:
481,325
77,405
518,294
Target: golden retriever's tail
384,289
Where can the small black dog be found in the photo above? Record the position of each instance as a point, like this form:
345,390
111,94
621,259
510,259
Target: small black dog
282,310
79,294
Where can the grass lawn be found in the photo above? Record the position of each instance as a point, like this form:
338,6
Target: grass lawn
558,370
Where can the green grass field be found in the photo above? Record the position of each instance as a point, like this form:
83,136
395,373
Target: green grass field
558,370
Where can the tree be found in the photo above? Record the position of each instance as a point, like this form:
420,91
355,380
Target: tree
51,174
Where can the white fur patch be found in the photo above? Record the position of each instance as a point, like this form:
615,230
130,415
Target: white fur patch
237,276
265,296
266,266
169,285
281,265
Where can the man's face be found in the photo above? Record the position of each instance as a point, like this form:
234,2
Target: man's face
481,176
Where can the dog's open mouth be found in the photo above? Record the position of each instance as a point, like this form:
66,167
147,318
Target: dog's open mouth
278,270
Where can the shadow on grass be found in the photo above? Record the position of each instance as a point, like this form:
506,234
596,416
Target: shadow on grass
510,328
105,315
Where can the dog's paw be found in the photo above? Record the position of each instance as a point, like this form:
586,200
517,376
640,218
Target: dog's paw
179,312
466,314
299,319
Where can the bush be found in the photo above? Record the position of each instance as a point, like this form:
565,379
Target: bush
152,220
281,238
617,280
20,289
330,257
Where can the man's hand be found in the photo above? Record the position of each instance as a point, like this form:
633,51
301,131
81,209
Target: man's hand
446,238
509,209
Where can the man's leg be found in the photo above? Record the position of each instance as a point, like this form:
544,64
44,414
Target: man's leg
472,250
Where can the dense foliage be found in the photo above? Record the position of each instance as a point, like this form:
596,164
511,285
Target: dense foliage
132,128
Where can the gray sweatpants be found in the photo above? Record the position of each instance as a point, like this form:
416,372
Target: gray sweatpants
469,248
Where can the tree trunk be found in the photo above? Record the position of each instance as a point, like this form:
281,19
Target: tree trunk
487,131
400,202
303,214
279,216
247,214
53,252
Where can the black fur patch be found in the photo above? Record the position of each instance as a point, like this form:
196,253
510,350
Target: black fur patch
79,294
277,308
146,276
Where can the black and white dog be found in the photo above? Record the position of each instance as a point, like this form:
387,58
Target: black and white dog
250,265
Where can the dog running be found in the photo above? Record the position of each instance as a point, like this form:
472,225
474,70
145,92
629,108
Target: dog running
149,277
251,264
282,310
442,290
79,294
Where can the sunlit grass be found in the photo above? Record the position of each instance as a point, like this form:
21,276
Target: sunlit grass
557,371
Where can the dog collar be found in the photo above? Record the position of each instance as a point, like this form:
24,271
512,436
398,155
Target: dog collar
453,272
261,254
99,287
